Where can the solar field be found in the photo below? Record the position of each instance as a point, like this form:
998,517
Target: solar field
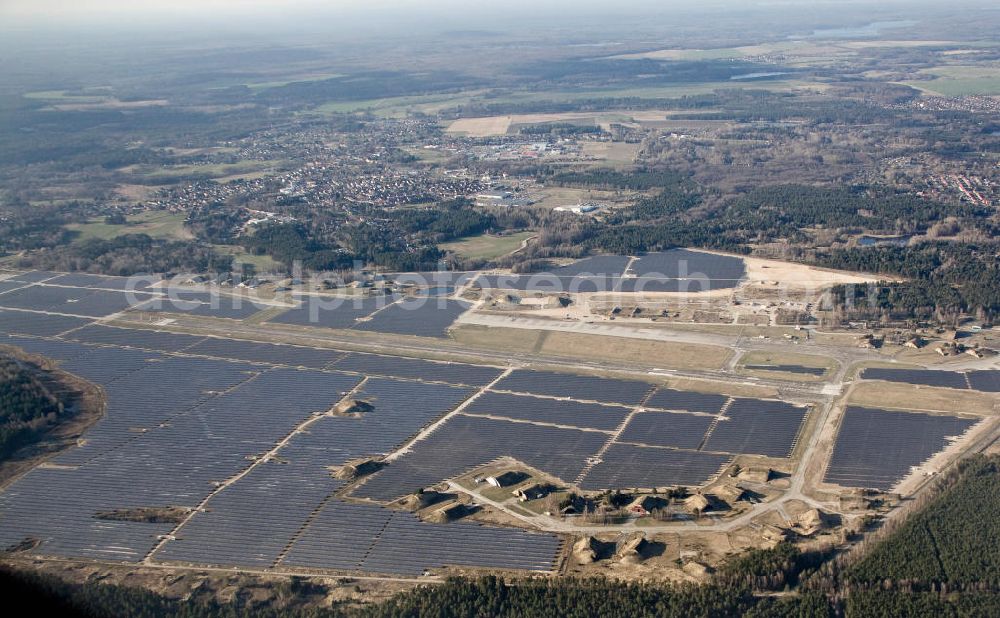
677,270
52,295
532,417
987,380
245,442
878,448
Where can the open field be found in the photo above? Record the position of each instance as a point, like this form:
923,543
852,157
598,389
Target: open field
650,353
953,80
263,263
293,79
612,154
486,246
395,107
177,173
157,224
800,275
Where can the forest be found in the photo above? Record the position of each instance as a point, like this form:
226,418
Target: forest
27,406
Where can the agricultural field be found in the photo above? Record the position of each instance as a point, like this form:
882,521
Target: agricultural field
957,80
157,224
486,246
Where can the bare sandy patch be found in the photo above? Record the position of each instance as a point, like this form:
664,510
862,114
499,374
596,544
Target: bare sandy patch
801,275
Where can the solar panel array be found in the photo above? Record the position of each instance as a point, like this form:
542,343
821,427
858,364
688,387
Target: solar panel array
330,312
275,354
176,427
85,302
84,280
26,323
669,399
987,381
684,263
586,388
947,379
420,317
554,411
417,369
33,276
467,442
758,427
134,338
252,521
347,536
206,304
878,448
686,431
800,369
677,270
627,466
8,285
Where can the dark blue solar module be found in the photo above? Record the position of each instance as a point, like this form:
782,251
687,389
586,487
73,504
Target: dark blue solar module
417,369
878,448
555,411
628,466
75,301
667,429
926,377
134,338
586,388
466,442
987,381
758,427
265,352
669,399
332,312
420,317
27,323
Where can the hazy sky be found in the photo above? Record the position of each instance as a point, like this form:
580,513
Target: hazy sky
151,15
63,9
